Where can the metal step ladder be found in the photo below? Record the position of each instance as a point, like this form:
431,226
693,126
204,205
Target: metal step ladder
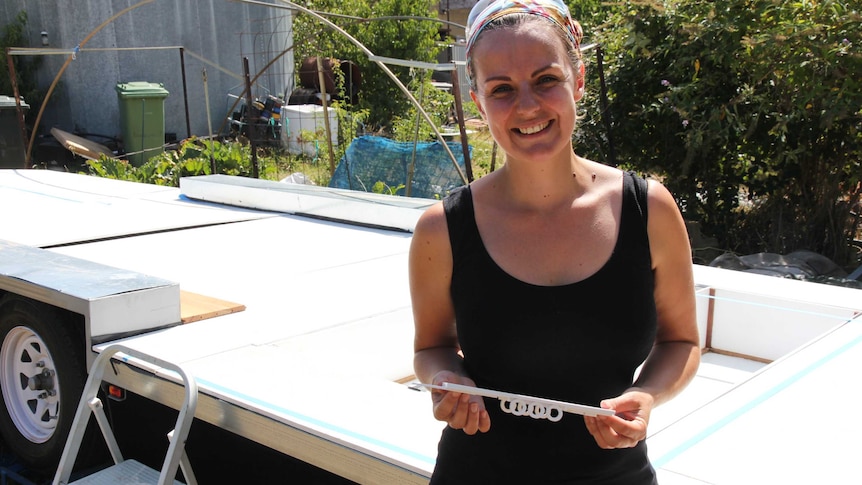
123,470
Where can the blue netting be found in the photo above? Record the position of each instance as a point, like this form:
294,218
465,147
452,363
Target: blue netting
373,159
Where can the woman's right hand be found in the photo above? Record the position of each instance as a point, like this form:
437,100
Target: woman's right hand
461,411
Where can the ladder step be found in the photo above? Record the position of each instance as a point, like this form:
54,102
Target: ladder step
128,471
125,472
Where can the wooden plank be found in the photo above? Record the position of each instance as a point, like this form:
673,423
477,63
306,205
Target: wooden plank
740,356
710,322
81,146
195,307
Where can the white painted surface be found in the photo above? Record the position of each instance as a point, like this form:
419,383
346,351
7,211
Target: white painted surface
785,425
113,301
327,331
45,208
366,208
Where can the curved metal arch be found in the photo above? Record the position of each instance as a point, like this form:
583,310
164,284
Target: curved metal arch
66,65
393,17
292,6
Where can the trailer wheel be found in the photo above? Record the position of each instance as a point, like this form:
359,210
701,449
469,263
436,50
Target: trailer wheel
42,375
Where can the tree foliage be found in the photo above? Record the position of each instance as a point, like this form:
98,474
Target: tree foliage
388,28
751,110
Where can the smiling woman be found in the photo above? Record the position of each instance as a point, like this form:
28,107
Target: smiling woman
533,106
516,279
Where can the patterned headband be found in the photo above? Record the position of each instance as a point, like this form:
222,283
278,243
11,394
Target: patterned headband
486,11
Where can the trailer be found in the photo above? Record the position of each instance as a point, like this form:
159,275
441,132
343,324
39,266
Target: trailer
289,306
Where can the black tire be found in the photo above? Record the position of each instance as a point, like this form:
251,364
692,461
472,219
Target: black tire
39,400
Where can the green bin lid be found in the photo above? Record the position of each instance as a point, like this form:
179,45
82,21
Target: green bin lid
8,102
141,89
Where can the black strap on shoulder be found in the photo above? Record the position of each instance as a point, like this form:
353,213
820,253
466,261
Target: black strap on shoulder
640,189
458,207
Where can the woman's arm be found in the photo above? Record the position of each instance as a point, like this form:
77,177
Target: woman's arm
675,356
674,360
436,356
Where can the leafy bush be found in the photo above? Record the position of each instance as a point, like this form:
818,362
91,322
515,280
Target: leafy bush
751,111
435,102
193,157
400,35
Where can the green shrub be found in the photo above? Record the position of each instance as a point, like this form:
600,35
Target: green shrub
192,157
388,28
750,110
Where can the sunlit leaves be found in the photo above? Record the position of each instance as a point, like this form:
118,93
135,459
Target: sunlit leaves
760,97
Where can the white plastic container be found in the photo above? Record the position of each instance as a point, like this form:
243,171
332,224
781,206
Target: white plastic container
304,129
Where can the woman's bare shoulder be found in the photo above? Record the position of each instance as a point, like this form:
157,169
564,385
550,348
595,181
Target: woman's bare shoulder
431,233
660,199
431,221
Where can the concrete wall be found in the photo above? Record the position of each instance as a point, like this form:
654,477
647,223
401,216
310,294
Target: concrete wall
222,32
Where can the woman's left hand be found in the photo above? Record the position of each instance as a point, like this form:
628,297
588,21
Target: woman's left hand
628,426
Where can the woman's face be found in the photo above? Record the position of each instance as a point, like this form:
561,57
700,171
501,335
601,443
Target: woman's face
526,88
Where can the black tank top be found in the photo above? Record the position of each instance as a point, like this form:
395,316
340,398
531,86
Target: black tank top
579,342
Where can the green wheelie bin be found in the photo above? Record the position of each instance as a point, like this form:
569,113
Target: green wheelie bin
142,119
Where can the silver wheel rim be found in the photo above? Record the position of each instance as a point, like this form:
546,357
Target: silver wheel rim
24,357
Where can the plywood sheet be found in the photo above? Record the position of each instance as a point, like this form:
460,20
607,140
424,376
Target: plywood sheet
195,307
81,146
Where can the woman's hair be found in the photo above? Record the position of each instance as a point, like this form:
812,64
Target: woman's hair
516,19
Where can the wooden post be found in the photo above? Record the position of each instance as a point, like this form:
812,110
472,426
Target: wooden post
209,122
21,123
459,114
255,171
186,92
606,114
321,80
411,169
493,155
